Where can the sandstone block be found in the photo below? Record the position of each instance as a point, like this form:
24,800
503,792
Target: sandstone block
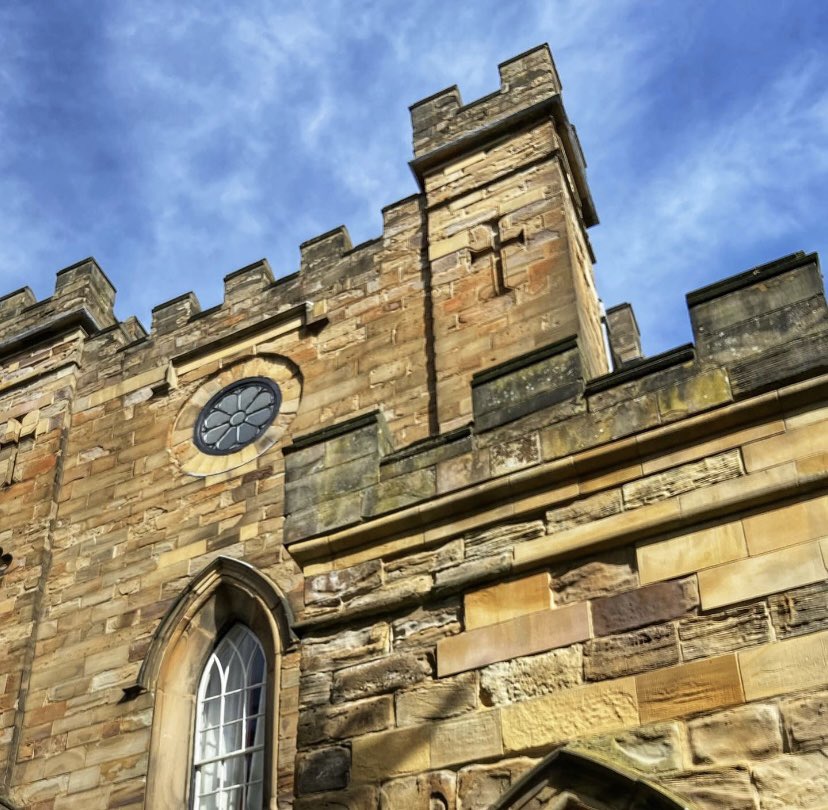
525,635
398,752
686,553
424,626
358,796
648,605
476,737
568,714
630,653
793,782
348,646
341,721
438,700
332,587
715,789
786,526
326,769
500,538
788,446
804,610
699,393
426,562
787,666
508,600
806,721
689,688
649,749
681,479
724,631
532,676
395,671
481,786
759,576
436,789
728,738
603,575
585,510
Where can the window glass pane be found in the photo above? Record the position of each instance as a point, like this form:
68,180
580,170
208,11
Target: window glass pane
229,750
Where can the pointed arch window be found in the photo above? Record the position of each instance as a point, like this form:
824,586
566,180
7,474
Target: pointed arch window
229,751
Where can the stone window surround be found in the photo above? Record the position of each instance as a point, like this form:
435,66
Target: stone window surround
270,366
226,592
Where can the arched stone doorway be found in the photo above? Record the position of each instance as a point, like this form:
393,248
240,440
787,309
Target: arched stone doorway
566,780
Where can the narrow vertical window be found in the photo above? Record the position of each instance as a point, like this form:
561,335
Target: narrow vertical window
230,725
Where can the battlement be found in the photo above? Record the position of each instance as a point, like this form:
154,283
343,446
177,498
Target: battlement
83,296
442,118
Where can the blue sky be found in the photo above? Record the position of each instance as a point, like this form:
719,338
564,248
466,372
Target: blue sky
177,142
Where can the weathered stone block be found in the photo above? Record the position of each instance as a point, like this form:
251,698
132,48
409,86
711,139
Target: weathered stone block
804,610
728,738
508,600
424,626
438,700
342,721
648,605
531,676
525,635
787,666
326,769
404,490
608,573
481,786
630,653
681,479
571,713
585,510
332,587
425,562
395,671
715,789
476,737
526,384
724,631
649,749
705,390
689,688
793,782
501,538
337,650
806,721
436,790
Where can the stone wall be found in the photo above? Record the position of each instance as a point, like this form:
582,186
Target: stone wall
464,540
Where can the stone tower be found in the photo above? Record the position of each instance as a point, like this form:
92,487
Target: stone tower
388,533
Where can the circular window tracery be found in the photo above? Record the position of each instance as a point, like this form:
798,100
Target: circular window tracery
237,415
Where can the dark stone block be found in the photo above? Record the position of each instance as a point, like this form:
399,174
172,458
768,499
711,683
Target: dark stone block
327,769
648,605
527,384
724,631
804,610
378,677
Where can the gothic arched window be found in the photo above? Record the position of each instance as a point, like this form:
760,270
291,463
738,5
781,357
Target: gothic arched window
228,762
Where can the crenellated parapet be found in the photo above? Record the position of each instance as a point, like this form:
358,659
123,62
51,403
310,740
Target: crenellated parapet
525,80
83,297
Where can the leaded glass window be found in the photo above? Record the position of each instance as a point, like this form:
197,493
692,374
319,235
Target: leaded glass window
237,415
230,725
